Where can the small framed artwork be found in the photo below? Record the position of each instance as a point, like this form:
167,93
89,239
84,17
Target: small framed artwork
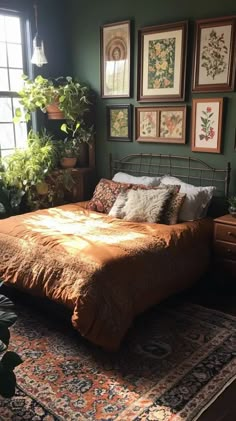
207,124
115,60
161,124
214,59
119,125
162,62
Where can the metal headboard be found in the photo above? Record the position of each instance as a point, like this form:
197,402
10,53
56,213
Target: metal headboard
191,170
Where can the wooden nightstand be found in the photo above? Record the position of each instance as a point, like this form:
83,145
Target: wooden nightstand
225,245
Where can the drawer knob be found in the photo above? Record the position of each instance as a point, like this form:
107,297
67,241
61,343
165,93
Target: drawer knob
229,250
230,233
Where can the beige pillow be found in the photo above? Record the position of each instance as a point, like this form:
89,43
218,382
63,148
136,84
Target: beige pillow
140,205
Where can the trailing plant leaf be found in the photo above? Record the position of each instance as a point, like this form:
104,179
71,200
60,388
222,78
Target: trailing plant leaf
7,382
4,337
10,359
7,316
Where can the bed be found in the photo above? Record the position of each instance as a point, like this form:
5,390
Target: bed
103,269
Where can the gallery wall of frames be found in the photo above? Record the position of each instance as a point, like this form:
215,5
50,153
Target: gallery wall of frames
161,114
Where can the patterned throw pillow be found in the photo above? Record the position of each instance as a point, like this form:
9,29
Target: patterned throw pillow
172,209
107,191
141,205
105,195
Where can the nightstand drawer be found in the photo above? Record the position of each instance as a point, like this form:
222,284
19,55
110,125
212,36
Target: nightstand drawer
227,250
227,267
225,232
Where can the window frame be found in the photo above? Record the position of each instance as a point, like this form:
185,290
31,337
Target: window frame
26,54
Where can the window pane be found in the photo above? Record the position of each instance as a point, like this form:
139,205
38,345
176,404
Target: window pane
16,81
6,152
3,55
21,135
2,29
13,31
4,84
6,136
15,55
5,110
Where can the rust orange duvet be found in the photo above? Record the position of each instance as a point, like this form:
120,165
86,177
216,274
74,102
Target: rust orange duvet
105,270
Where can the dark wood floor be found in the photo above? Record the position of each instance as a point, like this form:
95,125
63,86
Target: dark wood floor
219,294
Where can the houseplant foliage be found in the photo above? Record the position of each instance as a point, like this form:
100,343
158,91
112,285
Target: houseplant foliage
26,170
29,167
9,359
72,97
74,101
232,205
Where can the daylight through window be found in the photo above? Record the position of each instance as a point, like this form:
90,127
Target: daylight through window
11,69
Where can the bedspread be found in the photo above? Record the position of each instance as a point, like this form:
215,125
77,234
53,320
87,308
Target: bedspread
104,269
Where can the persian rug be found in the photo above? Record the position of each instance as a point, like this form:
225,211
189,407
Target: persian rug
174,362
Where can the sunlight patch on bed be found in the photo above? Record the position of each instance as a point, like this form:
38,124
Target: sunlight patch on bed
83,228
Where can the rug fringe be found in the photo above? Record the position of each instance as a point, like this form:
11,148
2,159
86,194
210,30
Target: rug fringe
214,398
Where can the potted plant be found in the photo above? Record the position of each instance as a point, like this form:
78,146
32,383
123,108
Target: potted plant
9,359
70,147
65,98
232,207
27,169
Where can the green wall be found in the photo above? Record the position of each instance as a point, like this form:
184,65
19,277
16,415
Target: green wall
84,21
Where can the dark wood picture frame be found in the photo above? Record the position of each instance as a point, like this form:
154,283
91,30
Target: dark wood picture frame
115,59
206,132
170,81
161,124
211,41
119,127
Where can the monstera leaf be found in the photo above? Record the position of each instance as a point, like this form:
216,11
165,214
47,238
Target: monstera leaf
10,359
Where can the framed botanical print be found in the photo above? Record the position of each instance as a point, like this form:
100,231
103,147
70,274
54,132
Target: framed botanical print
115,60
119,126
162,62
207,124
161,124
214,60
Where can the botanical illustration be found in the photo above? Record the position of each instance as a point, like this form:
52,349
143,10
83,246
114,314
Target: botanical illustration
214,55
171,124
119,123
207,125
161,63
148,124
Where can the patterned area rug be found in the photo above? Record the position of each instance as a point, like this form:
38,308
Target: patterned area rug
175,361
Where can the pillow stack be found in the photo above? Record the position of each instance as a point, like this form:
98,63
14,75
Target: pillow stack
197,199
165,200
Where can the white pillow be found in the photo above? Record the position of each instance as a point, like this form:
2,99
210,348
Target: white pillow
197,199
122,177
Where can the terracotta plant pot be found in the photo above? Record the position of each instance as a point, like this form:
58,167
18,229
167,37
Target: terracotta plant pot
54,112
68,162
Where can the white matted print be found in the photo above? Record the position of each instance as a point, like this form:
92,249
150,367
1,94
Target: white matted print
214,64
115,60
148,124
162,53
207,124
214,55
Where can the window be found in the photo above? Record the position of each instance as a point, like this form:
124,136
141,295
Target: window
11,69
